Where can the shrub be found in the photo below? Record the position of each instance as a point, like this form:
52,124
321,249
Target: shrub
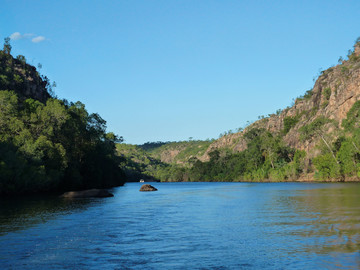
327,93
312,129
289,122
347,156
353,117
326,166
308,94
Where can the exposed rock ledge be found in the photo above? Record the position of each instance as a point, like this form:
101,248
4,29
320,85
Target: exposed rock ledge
97,193
147,187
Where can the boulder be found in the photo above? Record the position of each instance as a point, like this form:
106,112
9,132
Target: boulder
96,193
147,187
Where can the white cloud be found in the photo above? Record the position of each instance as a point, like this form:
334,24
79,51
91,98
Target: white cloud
16,36
38,39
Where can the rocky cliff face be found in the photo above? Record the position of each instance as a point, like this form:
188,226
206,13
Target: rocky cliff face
168,156
334,93
18,76
34,86
180,152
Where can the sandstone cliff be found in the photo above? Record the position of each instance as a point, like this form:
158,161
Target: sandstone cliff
334,93
24,79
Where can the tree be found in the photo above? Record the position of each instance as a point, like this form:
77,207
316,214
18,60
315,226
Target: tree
289,122
340,60
326,165
316,129
348,157
7,46
352,120
21,58
214,155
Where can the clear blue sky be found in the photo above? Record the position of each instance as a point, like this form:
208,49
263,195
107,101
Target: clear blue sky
170,70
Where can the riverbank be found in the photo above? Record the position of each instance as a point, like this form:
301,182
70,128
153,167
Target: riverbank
302,179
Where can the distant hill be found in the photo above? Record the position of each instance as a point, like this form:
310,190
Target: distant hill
180,152
139,165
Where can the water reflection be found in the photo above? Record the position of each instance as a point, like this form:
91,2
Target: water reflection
324,219
21,213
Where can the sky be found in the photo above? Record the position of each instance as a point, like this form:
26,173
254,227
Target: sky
174,69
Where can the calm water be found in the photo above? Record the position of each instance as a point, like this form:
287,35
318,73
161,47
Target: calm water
187,226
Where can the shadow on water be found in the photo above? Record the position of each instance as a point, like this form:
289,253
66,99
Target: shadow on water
23,212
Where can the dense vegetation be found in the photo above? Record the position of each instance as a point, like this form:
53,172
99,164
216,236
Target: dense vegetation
47,144
266,157
141,164
340,150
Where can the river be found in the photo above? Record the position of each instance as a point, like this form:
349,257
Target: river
187,226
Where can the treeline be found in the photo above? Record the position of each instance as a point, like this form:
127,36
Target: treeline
51,146
266,157
149,146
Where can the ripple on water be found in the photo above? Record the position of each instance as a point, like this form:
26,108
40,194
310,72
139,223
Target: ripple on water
187,225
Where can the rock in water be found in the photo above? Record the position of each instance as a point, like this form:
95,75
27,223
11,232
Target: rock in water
97,193
147,187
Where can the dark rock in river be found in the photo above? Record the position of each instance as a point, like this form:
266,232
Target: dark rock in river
147,187
98,193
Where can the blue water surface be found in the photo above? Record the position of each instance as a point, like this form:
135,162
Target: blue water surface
187,226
